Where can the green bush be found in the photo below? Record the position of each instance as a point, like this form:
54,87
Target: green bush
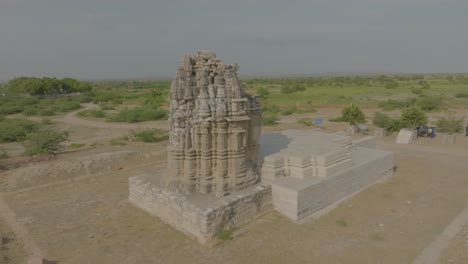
293,89
139,114
226,234
270,120
121,141
384,121
430,103
263,93
107,107
336,119
3,154
450,124
15,130
417,91
92,113
353,114
64,104
288,111
9,109
305,121
45,141
150,135
412,117
391,84
391,104
461,95
31,105
271,108
75,146
46,121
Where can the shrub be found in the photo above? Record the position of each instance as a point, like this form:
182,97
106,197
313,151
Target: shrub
45,141
46,121
417,91
92,113
15,130
226,234
288,111
270,120
336,119
305,121
353,114
430,103
413,117
293,89
341,222
391,104
450,124
65,105
9,107
271,108
75,146
384,121
3,154
30,110
263,93
107,107
391,84
461,95
140,114
150,135
118,141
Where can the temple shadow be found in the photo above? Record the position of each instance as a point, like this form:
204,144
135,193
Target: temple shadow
272,143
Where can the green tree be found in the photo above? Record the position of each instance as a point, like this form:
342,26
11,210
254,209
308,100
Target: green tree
353,114
413,116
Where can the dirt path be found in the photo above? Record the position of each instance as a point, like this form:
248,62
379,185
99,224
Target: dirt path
8,216
433,251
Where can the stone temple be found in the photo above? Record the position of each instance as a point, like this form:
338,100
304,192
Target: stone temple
221,172
212,179
214,128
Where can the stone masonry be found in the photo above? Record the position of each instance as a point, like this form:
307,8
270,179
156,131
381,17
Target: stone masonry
211,181
310,171
214,129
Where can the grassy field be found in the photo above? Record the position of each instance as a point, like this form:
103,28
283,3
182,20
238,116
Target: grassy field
364,91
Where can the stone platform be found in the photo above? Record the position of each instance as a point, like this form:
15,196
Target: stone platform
199,215
310,171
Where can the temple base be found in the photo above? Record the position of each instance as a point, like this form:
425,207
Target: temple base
199,215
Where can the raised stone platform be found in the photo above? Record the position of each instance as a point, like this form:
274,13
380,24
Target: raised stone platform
312,171
199,215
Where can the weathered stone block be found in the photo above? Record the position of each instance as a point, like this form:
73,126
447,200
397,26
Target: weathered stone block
380,132
199,215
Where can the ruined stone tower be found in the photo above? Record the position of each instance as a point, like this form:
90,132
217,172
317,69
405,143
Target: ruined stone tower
214,130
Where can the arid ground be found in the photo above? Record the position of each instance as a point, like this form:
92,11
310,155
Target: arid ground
74,208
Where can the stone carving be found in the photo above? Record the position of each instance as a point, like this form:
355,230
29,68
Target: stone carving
214,128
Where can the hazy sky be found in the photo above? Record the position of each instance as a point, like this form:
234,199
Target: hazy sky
97,39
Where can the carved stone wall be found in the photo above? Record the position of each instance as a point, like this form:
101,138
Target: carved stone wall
214,130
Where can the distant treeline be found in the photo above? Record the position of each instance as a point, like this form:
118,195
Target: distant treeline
46,86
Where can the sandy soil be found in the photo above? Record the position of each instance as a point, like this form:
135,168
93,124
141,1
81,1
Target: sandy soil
85,217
